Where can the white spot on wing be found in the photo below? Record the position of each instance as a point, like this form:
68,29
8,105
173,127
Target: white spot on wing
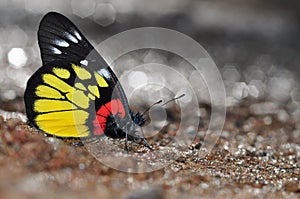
56,51
61,43
71,37
104,73
84,62
77,35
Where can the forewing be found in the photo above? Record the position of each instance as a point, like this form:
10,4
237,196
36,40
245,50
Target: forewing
60,39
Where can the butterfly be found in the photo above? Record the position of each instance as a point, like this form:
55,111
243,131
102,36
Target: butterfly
75,94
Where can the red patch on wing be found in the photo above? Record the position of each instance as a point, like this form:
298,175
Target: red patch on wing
114,107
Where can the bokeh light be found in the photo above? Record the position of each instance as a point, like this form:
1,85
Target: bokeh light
105,14
230,73
137,78
17,57
241,39
83,9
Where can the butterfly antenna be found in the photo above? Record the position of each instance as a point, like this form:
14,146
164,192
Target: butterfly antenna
163,103
171,100
158,102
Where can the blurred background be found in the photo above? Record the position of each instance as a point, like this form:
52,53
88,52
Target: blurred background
255,44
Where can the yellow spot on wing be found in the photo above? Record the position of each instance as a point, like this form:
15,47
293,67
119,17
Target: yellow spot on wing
92,97
64,123
94,90
80,86
46,105
73,95
57,83
79,98
81,73
61,72
48,92
100,80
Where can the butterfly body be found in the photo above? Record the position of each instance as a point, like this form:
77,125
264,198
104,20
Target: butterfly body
75,93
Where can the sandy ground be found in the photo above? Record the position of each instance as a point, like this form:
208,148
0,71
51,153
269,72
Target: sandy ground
255,157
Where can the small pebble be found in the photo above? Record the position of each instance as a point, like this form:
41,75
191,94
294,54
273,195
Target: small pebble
141,176
7,137
292,187
81,166
1,120
257,185
153,193
12,123
181,159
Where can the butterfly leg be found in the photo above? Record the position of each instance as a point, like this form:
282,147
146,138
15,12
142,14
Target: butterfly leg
126,142
147,144
145,141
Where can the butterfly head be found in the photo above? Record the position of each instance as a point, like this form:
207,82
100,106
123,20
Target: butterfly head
138,118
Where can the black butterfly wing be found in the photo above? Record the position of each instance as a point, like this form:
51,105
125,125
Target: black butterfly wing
60,39
62,45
